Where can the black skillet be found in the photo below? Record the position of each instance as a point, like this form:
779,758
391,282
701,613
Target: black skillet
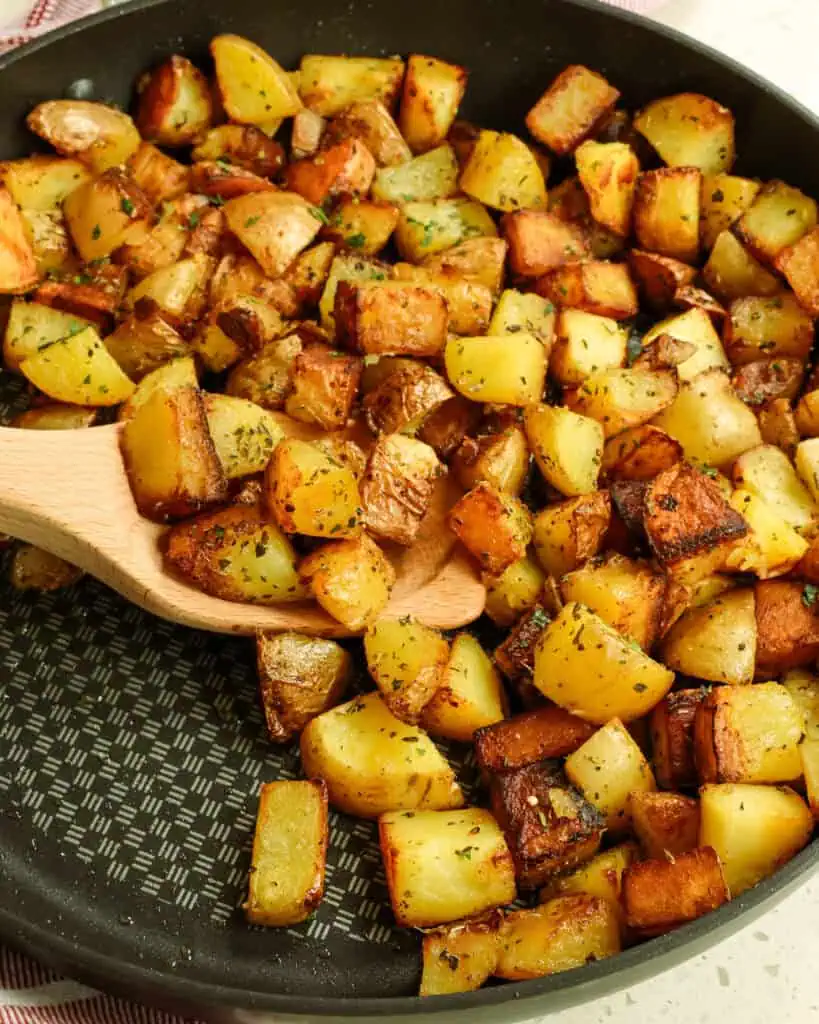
131,751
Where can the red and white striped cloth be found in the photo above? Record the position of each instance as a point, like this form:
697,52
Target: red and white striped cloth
30,993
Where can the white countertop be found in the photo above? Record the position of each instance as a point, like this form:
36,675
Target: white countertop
767,973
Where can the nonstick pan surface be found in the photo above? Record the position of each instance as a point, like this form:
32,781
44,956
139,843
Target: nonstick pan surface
131,751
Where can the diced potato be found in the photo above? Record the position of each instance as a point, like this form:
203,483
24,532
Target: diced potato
662,894
772,547
178,373
253,87
274,226
363,226
753,829
731,272
406,659
689,130
684,595
608,172
523,311
586,343
433,175
622,398
479,260
667,212
18,263
508,369
289,853
588,668
433,90
105,213
310,493
372,123
517,588
716,641
695,327
809,753
78,369
404,398
710,422
383,317
665,823
803,688
607,769
461,957
571,532
141,344
659,278
179,291
175,106
766,380
34,569
41,183
502,172
807,465
244,145
170,458
688,296
101,136
351,580
494,527
799,263
628,595
444,865
777,425
778,217
501,459
347,168
243,434
567,932
470,695
515,657
594,286
567,446
49,241
640,454
265,378
324,387
787,626
531,737
329,84
601,877
32,327
373,762
748,734
468,303
346,267
431,226
672,738
569,110
540,241
397,487
55,417
725,197
767,328
158,175
807,414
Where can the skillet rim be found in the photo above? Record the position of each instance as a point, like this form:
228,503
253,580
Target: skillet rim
571,988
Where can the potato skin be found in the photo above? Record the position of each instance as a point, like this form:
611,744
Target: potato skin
665,823
672,735
324,387
374,318
175,104
397,487
537,735
787,625
659,895
571,107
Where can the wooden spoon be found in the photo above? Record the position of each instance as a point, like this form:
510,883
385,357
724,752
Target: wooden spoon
66,491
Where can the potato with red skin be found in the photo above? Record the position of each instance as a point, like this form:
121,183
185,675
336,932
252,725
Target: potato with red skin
219,178
243,145
175,104
347,168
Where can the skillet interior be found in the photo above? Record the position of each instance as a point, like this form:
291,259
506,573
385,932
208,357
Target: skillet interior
131,751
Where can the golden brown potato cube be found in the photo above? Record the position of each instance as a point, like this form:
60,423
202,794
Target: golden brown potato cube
503,173
621,398
101,136
431,226
667,212
787,625
767,328
569,202
48,236
570,109
372,123
324,387
469,304
243,433
659,278
672,738
725,197
661,894
626,594
690,297
748,734
608,172
433,90
397,487
175,107
809,752
599,675
500,459
34,569
640,453
345,168
494,527
162,244
571,532
549,827
444,865
715,641
226,181
772,548
753,829
594,286
237,554
807,414
55,417
567,447
687,516
41,183
405,397
539,241
244,145
481,260
777,426
567,932
310,492
461,957
178,291
361,225
533,736
253,87
275,227
778,217
299,677
351,580
504,369
524,311
106,213
376,317
142,344
731,272
766,380
585,343
266,377
407,660
289,853
689,130
446,427
807,465
470,695
515,657
799,263
95,302
602,877
329,84
665,823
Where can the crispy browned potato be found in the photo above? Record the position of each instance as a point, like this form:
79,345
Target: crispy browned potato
460,957
788,627
330,84
689,130
105,213
275,227
725,197
515,657
141,344
659,279
594,286
777,218
310,492
371,123
266,377
397,487
54,416
622,398
767,328
480,260
405,397
34,569
324,385
175,106
159,176
691,297
777,425
299,677
569,533
531,737
672,738
226,181
308,130
362,225
253,87
799,263
640,453
433,90
166,241
667,212
608,172
407,661
539,241
289,853
548,826
40,183
18,264
731,272
494,527
665,823
768,379
501,459
503,173
570,109
347,167
101,136
350,579
376,317
662,894
469,304
244,145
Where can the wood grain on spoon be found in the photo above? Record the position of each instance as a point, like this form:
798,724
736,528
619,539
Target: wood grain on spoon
66,491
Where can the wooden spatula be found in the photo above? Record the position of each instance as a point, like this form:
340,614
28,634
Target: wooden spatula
66,491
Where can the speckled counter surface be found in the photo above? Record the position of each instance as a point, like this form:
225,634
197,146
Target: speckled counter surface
767,973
